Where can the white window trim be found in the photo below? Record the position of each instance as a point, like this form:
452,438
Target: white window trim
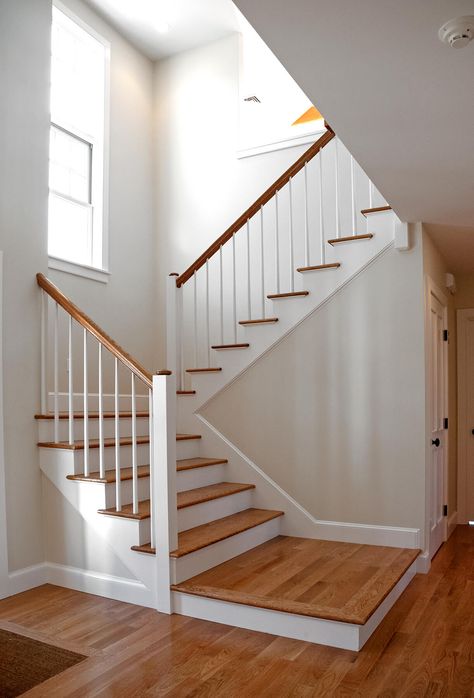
95,273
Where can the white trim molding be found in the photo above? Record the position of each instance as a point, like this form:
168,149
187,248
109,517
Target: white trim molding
89,582
462,318
93,273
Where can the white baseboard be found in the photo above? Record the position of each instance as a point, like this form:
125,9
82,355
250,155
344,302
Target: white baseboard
97,583
325,632
452,523
423,563
303,523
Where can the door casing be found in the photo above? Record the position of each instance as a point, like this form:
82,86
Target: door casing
463,317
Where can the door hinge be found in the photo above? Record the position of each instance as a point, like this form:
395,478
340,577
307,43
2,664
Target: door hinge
445,510
445,335
445,423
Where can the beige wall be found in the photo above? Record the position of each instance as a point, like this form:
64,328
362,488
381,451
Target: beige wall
335,412
435,267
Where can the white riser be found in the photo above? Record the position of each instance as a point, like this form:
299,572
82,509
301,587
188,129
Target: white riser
216,509
73,461
108,401
200,477
189,565
130,531
188,449
126,492
324,632
46,428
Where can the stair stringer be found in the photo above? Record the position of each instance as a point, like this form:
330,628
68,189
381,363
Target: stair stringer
118,534
355,257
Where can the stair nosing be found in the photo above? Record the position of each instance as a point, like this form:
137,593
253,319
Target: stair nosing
292,294
208,462
238,487
108,442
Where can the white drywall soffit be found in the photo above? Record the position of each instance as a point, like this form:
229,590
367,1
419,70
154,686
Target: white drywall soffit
456,245
162,28
393,92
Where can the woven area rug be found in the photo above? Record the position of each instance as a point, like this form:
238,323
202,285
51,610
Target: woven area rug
25,663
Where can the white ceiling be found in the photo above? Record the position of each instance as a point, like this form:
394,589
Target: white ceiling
192,22
402,101
456,245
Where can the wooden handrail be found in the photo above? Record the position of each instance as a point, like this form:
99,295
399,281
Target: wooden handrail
94,329
255,207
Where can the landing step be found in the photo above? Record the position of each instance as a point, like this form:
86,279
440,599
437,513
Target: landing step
192,463
262,321
377,209
319,267
351,238
334,581
206,494
108,443
110,475
244,345
203,370
91,415
201,536
293,294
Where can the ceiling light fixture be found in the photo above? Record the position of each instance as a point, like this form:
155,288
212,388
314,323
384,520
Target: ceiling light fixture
458,32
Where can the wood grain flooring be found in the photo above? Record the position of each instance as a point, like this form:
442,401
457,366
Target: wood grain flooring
423,647
321,579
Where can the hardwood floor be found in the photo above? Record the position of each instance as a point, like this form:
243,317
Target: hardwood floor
322,579
424,647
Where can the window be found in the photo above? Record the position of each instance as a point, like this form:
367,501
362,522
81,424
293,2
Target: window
77,168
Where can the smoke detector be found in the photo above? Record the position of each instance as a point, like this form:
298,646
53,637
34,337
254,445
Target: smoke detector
458,32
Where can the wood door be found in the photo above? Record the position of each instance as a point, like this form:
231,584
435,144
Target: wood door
438,412
465,320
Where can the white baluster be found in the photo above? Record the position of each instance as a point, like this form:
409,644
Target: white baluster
371,194
249,289
134,449
234,290
101,417
44,352
353,199
336,166
321,210
56,373
277,243
291,255
262,262
306,217
221,291
118,481
70,384
86,408
152,470
208,338
195,322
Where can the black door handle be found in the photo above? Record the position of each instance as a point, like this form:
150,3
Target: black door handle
472,432
435,442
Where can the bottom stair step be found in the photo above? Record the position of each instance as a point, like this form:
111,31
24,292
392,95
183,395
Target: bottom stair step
201,536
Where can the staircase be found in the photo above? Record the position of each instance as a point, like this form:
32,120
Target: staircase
173,499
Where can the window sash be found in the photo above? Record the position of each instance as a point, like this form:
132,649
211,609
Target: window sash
90,145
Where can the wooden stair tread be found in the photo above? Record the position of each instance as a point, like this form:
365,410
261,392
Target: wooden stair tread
185,392
243,345
203,370
319,267
126,511
331,580
93,443
92,415
145,548
351,238
192,463
109,442
208,493
292,294
377,209
201,536
262,321
125,474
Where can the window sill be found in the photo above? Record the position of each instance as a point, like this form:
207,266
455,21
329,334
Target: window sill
100,275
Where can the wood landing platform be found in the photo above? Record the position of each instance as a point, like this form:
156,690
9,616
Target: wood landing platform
329,580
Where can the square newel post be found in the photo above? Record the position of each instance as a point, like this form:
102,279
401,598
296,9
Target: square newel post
173,328
163,484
